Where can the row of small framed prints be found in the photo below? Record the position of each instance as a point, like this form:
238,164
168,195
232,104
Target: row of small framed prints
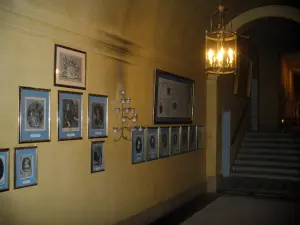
34,115
154,143
26,165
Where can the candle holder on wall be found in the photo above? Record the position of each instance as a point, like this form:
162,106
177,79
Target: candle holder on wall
128,116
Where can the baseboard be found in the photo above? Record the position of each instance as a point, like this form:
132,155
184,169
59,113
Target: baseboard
149,215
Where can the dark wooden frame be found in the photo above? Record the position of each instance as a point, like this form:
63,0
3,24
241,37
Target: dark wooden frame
92,143
20,114
15,165
188,139
8,163
56,46
145,157
59,119
169,139
88,115
170,76
146,139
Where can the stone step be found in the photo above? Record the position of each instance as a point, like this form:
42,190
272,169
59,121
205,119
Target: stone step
270,134
266,170
265,163
272,139
266,176
272,151
271,145
287,158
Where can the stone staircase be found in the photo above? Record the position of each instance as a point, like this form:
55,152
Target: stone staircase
267,163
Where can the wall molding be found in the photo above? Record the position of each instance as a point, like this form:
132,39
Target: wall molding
101,41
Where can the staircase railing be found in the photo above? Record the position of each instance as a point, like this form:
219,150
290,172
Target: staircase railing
239,131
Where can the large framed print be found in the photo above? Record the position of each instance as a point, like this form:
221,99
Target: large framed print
193,138
4,170
138,149
25,167
69,115
97,116
152,143
184,139
97,156
34,115
175,147
69,67
173,100
200,137
164,142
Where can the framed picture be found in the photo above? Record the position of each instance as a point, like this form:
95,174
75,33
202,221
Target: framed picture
152,143
184,139
34,115
97,116
164,140
69,67
4,170
200,137
175,147
97,156
193,138
25,167
69,115
174,99
138,150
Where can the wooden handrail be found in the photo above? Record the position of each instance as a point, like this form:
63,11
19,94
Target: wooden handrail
239,124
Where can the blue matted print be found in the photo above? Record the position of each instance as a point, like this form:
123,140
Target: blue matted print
152,144
97,116
184,139
164,142
69,115
193,138
34,115
200,137
97,156
25,167
138,150
175,147
4,170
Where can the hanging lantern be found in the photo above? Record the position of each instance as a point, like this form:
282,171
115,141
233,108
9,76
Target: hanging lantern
221,47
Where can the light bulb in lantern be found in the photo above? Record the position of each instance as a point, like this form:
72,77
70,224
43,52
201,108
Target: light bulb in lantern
220,56
132,110
128,100
123,119
118,110
122,100
230,55
210,56
126,110
122,92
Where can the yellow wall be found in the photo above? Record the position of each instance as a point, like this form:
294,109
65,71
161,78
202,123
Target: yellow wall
66,192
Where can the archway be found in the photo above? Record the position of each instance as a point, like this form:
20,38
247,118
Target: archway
263,12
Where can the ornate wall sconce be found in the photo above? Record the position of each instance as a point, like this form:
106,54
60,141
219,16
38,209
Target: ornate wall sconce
128,115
